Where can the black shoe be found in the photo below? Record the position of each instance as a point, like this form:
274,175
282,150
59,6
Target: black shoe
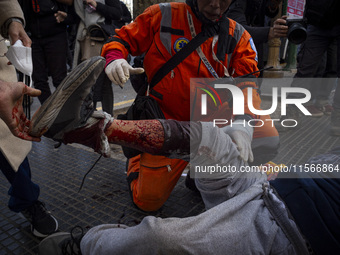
190,183
62,243
42,222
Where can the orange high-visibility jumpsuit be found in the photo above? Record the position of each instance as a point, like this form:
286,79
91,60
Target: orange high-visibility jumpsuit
159,33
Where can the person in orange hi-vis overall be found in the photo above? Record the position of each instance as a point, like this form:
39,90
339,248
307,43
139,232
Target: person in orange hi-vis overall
160,32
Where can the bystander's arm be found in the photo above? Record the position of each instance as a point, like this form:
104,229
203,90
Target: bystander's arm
67,2
279,29
16,32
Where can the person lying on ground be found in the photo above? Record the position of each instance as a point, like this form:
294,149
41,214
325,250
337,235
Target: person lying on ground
283,216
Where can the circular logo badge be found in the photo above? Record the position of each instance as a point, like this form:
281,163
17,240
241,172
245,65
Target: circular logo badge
180,43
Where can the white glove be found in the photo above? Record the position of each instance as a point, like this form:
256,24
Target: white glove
242,135
119,71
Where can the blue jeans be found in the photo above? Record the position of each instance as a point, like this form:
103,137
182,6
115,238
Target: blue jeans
23,192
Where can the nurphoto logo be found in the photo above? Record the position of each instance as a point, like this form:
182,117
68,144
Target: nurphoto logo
238,103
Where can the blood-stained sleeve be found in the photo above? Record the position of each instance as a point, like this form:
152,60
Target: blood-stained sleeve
136,37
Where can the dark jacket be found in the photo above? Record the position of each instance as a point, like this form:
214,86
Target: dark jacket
251,14
126,16
111,10
43,23
323,14
315,204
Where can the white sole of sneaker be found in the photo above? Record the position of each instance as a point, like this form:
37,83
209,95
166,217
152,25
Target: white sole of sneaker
38,234
84,74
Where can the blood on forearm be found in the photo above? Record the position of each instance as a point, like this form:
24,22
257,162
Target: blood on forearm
143,135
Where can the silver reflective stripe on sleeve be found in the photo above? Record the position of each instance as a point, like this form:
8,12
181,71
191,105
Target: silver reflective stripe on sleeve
166,22
238,32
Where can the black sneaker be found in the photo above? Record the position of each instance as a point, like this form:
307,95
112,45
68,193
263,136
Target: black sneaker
71,103
42,222
62,243
190,183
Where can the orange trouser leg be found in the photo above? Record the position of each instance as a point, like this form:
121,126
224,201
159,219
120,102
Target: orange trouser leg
157,177
266,141
266,130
